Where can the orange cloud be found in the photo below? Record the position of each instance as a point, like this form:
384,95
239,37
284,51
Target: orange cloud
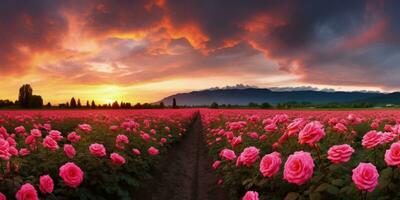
189,31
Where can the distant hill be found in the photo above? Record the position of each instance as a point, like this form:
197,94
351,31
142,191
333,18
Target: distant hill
258,95
391,98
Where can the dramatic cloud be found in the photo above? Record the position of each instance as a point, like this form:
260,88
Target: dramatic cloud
133,43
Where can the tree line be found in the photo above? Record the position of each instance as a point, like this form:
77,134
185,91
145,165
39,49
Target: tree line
26,99
76,104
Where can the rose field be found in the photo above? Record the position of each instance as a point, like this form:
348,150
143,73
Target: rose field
83,154
305,154
246,154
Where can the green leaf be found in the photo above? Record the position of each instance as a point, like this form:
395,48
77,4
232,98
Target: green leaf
383,183
292,196
332,190
386,173
315,196
393,187
338,182
384,198
322,187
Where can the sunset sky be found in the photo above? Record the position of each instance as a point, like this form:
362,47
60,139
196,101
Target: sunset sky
141,51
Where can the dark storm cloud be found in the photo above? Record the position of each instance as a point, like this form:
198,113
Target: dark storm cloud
27,27
323,42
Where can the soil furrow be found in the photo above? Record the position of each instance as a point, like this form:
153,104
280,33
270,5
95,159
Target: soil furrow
185,173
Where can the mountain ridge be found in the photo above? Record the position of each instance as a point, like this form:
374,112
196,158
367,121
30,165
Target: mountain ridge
243,96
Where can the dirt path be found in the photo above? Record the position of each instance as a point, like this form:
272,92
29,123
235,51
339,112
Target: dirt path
186,172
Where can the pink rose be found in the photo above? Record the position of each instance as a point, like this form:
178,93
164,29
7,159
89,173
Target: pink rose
392,155
340,153
227,154
50,143
216,164
20,130
3,132
56,135
236,141
248,157
153,151
27,192
270,127
365,176
47,126
253,135
97,150
145,136
270,164
2,196
4,149
36,133
299,168
113,128
85,128
69,150
371,139
163,140
117,159
30,140
73,137
71,174
311,133
281,118
120,140
24,152
250,195
388,137
295,127
13,151
46,184
339,127
136,151
262,137
229,135
374,125
11,141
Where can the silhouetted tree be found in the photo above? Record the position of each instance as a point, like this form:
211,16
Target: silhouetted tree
87,104
6,103
253,105
93,104
137,106
62,105
73,103
214,105
266,105
115,105
79,105
174,103
162,105
48,105
36,101
25,95
67,105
